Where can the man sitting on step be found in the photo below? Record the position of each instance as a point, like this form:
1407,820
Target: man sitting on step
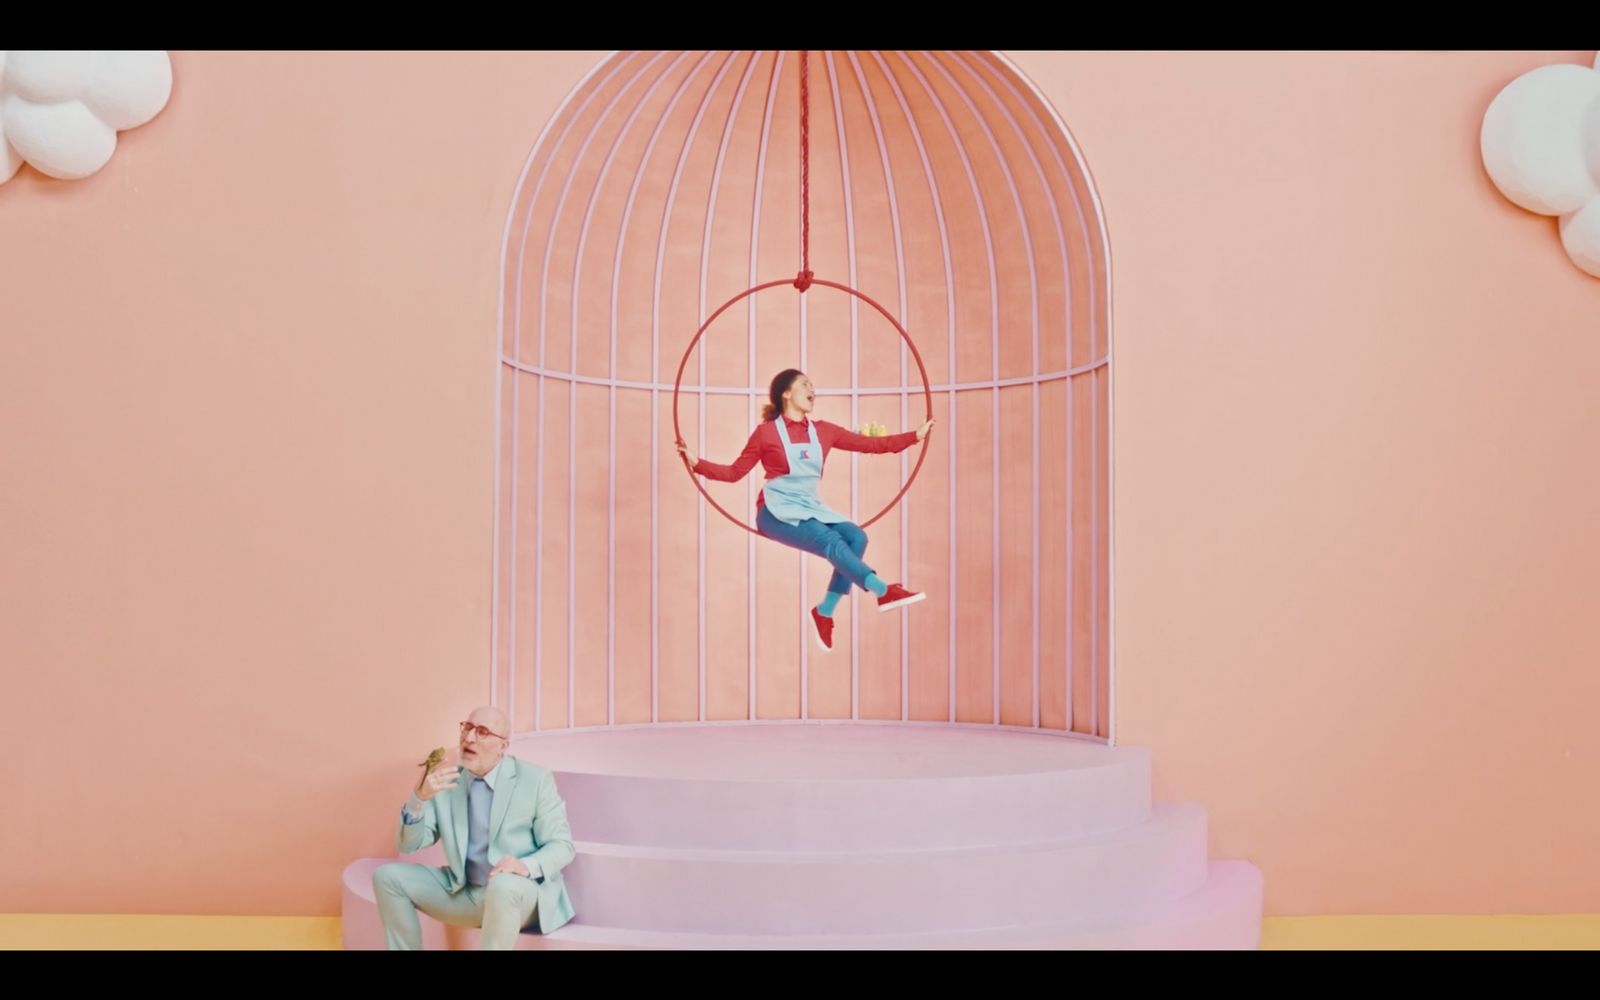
505,835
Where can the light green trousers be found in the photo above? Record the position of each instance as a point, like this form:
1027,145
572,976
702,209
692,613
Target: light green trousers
502,908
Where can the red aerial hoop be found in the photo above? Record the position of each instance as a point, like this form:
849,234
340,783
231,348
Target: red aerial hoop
802,281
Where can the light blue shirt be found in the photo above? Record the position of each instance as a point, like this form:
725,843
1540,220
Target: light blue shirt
414,809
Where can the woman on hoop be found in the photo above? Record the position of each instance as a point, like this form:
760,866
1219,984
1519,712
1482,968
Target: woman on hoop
792,448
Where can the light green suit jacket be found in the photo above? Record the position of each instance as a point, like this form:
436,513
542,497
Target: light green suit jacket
528,820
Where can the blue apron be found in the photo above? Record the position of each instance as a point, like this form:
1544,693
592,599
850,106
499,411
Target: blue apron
793,498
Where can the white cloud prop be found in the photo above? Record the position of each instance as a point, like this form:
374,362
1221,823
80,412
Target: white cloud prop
1541,147
61,111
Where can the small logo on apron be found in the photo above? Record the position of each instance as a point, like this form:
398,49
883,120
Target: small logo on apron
805,453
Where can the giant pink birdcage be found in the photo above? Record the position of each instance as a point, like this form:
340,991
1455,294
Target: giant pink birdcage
946,188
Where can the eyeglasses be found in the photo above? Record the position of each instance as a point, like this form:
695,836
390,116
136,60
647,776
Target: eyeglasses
483,733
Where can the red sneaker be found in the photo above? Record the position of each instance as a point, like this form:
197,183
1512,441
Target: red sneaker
898,597
822,628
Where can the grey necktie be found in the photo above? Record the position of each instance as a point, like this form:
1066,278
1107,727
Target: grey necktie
479,799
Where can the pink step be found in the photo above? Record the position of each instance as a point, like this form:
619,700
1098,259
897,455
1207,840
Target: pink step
832,787
878,892
1225,913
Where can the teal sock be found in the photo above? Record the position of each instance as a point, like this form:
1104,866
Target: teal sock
876,585
829,602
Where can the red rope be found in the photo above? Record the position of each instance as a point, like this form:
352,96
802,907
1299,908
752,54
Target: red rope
802,280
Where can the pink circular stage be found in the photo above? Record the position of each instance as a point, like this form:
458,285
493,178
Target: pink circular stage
853,835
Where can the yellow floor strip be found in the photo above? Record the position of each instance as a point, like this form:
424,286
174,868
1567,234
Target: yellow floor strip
33,931
1443,933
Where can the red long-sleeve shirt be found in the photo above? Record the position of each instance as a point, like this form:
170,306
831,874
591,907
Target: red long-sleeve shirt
766,447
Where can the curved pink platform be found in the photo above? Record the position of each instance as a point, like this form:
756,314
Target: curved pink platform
846,836
815,787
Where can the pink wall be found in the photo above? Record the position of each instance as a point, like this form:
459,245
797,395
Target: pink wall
247,434
1354,522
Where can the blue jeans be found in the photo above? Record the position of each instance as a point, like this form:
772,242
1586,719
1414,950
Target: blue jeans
841,544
